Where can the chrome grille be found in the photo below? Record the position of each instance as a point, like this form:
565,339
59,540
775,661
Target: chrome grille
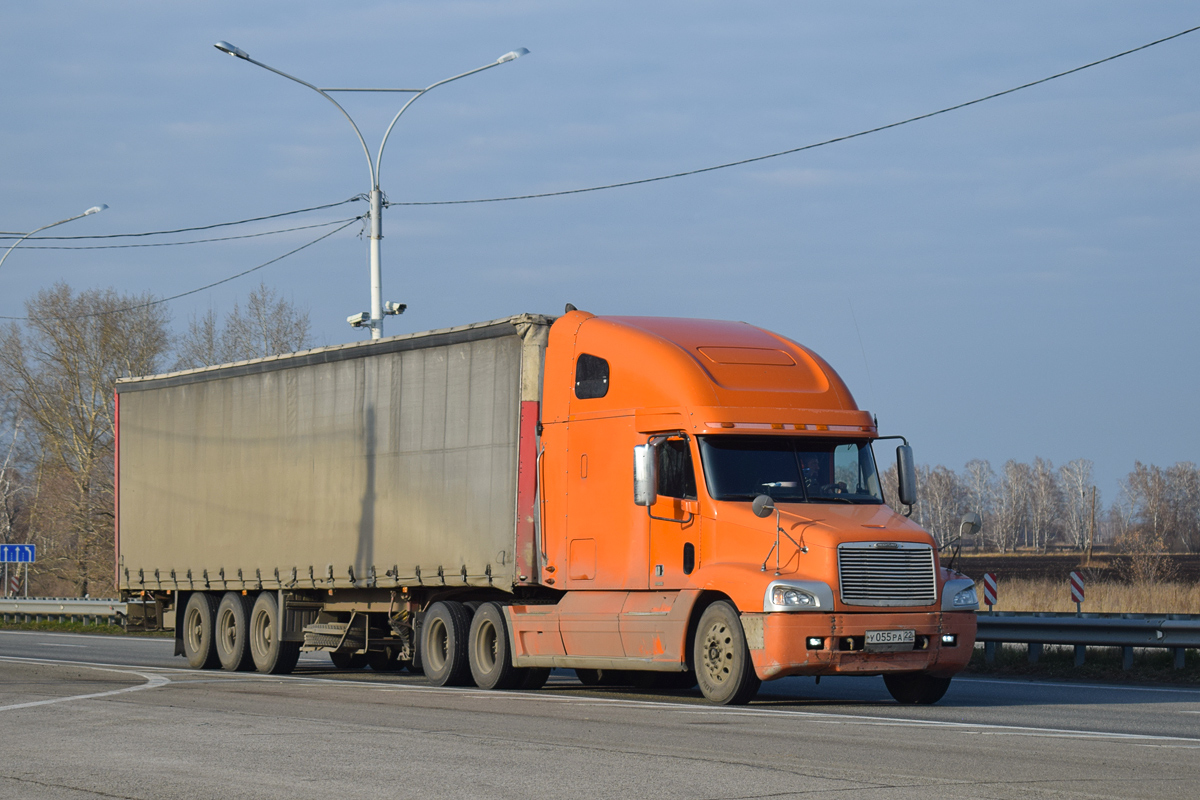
886,574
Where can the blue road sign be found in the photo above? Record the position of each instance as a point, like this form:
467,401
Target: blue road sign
18,553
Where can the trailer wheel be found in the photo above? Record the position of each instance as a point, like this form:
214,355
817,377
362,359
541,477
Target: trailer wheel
488,653
232,633
198,632
271,656
723,668
916,688
444,639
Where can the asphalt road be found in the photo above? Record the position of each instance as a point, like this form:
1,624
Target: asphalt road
101,717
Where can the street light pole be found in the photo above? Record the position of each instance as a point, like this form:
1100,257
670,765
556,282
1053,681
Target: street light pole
374,318
88,213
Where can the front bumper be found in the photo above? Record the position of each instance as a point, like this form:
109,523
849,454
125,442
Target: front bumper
779,643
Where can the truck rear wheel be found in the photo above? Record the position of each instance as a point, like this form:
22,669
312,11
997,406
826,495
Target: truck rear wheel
344,659
198,632
916,688
232,633
444,637
488,653
271,656
723,668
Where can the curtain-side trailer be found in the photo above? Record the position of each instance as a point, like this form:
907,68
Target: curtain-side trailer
649,500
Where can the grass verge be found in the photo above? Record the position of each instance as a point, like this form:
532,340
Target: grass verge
77,627
1150,665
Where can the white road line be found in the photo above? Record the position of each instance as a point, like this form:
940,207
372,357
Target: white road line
57,644
152,682
1108,687
813,716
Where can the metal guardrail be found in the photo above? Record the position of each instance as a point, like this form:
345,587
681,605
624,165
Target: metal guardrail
1176,632
62,609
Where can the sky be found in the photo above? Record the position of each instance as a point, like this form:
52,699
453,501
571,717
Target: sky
1010,280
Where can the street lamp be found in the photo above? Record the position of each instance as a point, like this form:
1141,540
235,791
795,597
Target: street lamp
374,318
89,212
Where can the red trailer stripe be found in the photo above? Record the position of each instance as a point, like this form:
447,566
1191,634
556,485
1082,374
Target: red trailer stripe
526,492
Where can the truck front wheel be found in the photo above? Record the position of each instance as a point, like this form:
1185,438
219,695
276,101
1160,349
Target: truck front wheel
198,632
271,656
723,668
916,688
444,637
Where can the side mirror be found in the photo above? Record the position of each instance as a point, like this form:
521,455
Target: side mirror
970,525
645,481
763,506
906,471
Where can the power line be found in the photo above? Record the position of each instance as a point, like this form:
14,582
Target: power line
356,198
193,241
812,146
161,300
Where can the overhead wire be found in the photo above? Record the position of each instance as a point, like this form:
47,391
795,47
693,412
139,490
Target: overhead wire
356,198
802,148
161,300
191,241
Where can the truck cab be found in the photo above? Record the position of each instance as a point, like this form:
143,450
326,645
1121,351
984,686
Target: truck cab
709,501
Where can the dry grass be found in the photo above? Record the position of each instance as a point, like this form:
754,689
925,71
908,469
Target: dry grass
1101,598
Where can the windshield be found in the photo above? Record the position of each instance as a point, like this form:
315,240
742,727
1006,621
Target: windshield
790,469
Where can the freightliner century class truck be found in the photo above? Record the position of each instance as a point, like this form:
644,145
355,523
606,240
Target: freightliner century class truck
649,501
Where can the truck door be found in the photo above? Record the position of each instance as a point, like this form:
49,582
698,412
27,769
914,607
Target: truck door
674,518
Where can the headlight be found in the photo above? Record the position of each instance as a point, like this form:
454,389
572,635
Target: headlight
786,596
790,595
966,598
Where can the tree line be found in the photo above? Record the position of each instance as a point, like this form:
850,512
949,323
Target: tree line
1035,506
58,369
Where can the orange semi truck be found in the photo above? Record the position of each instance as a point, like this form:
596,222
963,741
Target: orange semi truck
647,501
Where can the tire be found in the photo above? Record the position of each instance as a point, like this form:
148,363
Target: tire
344,659
721,658
488,652
534,678
916,688
270,655
232,633
444,636
198,632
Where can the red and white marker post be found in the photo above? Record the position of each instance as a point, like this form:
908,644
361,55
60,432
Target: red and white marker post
1077,591
989,589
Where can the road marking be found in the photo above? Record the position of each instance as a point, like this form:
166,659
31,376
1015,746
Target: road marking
56,644
1108,687
814,716
152,682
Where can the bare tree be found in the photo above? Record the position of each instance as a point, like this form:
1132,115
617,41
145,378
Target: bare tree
1045,503
266,326
1075,478
62,369
940,500
1183,480
979,485
1012,506
14,489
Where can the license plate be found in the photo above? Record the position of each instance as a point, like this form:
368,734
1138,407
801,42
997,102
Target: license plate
890,640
